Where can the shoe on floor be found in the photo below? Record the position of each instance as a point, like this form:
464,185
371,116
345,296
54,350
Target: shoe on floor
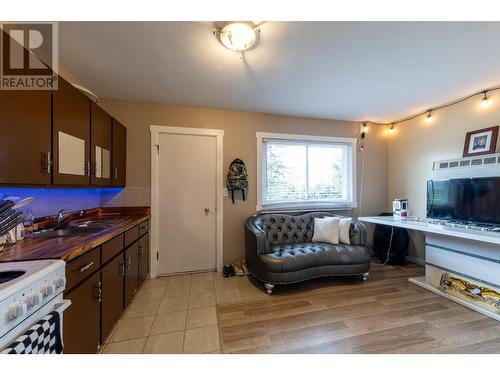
238,270
228,270
246,271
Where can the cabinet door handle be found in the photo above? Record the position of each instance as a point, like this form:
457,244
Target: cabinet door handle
98,291
86,168
122,268
116,173
86,267
141,252
49,162
129,261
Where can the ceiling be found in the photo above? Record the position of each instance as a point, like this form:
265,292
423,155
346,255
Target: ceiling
343,70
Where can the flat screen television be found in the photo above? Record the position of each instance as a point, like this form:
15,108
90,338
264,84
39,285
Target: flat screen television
465,199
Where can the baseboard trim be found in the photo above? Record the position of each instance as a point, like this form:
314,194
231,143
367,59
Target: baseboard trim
415,260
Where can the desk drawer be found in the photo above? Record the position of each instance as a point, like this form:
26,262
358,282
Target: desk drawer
111,248
82,267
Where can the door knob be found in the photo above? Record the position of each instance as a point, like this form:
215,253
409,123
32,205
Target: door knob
207,210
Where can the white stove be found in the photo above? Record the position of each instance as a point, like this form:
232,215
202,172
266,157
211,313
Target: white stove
29,291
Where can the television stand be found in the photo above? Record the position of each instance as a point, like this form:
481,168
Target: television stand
461,264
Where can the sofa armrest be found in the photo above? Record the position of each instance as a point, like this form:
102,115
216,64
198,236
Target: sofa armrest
357,233
255,237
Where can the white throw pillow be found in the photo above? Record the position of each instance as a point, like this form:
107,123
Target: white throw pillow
344,226
326,230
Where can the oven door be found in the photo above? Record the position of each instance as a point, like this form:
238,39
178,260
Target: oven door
56,304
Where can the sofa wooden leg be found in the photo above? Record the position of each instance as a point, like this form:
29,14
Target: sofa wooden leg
365,276
269,288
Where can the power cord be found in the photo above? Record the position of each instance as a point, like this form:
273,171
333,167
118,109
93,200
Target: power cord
361,189
389,248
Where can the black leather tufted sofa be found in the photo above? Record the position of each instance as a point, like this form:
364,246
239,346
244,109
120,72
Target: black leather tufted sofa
279,250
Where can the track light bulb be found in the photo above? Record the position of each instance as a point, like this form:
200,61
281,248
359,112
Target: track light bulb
364,128
391,129
428,118
485,102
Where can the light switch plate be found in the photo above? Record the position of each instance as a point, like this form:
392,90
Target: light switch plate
225,192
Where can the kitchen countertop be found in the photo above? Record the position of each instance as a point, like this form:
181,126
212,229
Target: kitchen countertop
70,247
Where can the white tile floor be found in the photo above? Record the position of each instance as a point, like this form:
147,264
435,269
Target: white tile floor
177,314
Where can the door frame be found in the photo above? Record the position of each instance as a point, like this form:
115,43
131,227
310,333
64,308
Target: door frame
156,130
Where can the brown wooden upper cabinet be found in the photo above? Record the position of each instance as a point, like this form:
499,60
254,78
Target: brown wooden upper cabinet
25,137
71,136
100,146
59,137
119,154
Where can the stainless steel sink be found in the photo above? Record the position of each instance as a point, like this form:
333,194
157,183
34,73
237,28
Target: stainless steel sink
98,222
73,231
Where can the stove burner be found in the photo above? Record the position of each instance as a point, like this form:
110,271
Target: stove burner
6,276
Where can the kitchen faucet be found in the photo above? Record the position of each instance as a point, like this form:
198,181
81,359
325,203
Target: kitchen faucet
60,219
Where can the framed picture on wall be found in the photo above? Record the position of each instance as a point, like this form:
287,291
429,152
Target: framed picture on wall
481,142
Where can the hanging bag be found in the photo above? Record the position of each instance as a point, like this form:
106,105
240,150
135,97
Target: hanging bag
237,178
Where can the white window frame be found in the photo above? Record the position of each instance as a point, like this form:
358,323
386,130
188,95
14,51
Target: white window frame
303,206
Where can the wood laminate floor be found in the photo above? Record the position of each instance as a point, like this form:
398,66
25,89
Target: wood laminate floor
385,314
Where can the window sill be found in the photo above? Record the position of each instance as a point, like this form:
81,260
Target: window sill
291,208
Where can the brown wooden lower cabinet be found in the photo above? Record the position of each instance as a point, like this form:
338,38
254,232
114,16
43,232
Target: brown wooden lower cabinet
143,258
81,323
101,289
131,272
112,275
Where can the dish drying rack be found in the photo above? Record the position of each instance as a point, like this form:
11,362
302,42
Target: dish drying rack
10,218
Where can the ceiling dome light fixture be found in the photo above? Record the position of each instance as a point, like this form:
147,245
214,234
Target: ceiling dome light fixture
237,36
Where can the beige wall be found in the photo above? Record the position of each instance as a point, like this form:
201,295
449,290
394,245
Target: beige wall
239,141
416,145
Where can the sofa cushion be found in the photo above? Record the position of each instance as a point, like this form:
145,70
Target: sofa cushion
294,257
344,230
326,230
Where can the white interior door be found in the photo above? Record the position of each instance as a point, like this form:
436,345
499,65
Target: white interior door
186,203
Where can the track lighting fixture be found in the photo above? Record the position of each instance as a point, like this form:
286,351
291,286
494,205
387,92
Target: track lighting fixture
485,102
364,127
391,129
362,136
428,118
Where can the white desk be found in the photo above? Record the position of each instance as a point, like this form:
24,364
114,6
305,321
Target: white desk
472,256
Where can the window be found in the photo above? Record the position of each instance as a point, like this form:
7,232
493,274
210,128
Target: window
305,172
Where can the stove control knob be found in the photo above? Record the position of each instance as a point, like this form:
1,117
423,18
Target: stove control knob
60,283
35,299
18,310
49,290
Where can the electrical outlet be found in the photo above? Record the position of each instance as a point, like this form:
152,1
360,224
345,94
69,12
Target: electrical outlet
225,192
